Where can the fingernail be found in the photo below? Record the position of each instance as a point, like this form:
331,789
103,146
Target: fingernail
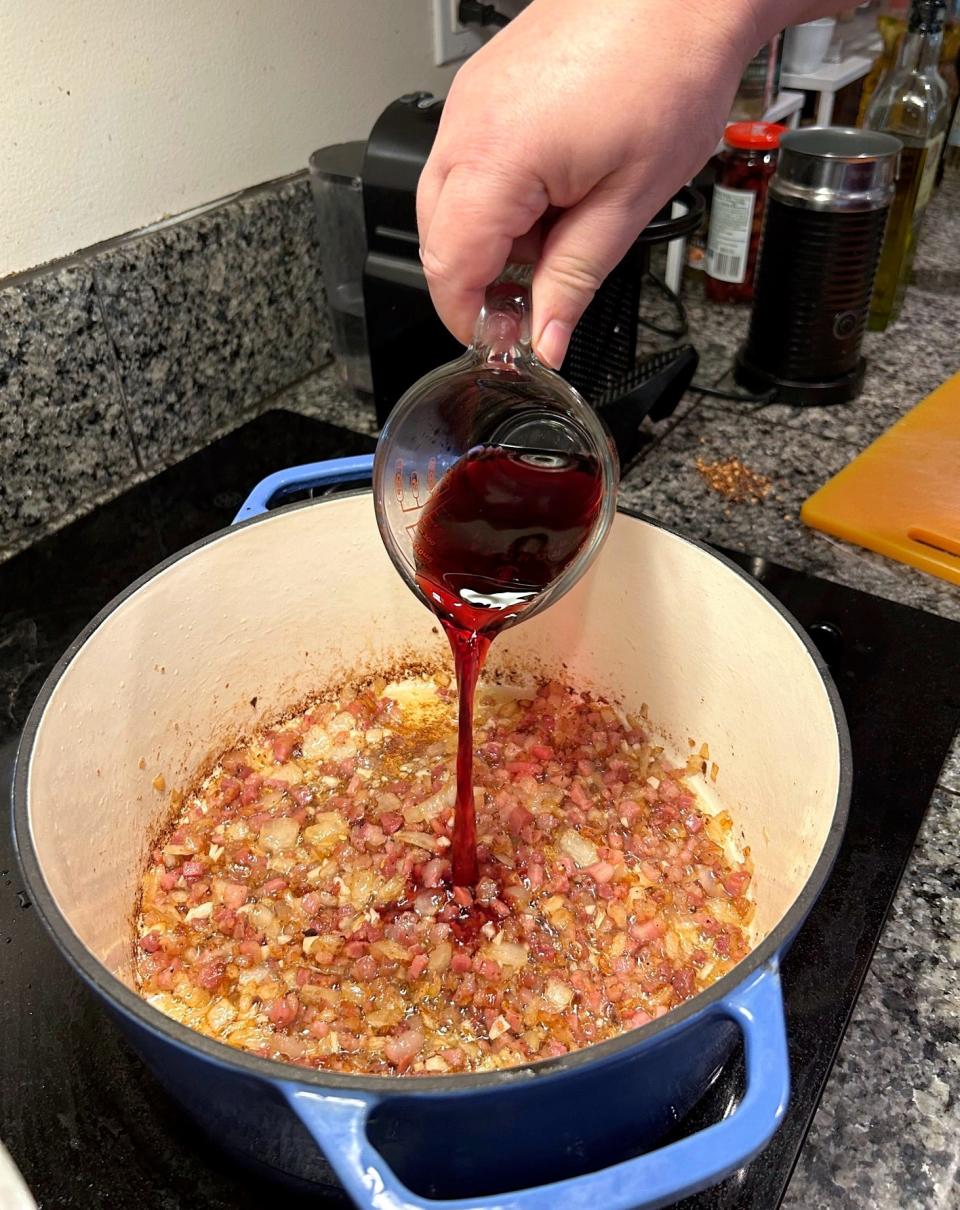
552,345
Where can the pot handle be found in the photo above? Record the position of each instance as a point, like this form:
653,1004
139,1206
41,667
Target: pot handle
658,1178
311,474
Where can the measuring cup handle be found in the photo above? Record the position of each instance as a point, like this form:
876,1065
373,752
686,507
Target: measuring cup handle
312,474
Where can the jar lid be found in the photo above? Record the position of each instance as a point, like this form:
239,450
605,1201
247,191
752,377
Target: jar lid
754,136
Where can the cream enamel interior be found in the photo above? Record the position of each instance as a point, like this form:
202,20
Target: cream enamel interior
227,637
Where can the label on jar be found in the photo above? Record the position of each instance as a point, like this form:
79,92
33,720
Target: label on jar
728,242
930,163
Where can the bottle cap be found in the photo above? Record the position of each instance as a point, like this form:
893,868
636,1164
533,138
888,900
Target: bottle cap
927,16
754,136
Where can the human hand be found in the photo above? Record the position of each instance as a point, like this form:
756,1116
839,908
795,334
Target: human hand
564,136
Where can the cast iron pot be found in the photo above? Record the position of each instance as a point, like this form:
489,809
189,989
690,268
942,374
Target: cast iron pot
226,634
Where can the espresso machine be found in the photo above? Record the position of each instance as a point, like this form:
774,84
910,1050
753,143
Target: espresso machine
386,333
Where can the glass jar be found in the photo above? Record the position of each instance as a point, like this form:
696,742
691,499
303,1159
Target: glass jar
744,168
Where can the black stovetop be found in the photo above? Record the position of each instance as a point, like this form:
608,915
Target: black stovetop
88,1125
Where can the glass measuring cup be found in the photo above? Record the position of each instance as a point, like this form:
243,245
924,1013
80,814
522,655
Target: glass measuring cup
495,400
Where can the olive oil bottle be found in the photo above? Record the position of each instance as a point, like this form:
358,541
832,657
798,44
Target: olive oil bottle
892,22
891,26
910,102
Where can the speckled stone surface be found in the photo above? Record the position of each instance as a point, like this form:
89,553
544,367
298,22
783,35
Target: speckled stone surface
212,316
950,774
886,1133
666,484
904,364
325,396
64,439
132,360
936,265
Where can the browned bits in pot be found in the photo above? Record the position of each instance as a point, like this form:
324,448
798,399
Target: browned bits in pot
729,477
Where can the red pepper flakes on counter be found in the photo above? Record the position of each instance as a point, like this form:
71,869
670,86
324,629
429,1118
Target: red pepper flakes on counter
729,477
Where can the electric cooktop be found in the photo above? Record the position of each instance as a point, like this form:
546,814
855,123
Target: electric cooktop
85,1122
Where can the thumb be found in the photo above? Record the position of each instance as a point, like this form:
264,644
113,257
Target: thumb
583,246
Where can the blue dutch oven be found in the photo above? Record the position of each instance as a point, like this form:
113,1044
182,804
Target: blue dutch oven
238,627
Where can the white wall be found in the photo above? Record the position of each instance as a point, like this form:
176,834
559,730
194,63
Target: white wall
115,113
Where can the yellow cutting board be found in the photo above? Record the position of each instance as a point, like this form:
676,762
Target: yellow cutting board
901,496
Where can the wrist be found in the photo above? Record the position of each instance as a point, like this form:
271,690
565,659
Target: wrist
734,30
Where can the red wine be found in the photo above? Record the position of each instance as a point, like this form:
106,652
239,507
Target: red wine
499,528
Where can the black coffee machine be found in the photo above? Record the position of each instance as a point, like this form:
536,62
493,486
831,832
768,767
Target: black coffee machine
405,339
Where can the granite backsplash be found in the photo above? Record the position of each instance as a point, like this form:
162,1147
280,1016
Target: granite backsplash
123,360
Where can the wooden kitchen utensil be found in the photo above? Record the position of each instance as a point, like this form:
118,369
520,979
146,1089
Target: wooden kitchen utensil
901,496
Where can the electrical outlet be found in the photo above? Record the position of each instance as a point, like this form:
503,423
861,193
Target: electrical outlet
451,40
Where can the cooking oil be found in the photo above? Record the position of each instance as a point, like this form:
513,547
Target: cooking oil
912,103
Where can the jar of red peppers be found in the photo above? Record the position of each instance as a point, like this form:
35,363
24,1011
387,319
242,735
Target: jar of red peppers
746,164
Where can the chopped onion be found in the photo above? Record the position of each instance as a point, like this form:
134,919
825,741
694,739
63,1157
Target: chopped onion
442,800
328,829
221,1014
290,1046
291,773
360,888
583,851
389,891
262,919
419,839
178,850
500,1027
427,904
440,956
558,994
384,1018
279,834
253,974
507,954
389,950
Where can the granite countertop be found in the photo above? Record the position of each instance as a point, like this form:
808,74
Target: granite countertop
886,1134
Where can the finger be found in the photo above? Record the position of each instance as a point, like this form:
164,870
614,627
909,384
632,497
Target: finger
526,247
476,218
582,247
428,191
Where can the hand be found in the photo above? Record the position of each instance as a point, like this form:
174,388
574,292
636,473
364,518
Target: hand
565,135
